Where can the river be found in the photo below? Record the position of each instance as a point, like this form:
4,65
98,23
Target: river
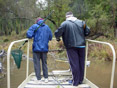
99,72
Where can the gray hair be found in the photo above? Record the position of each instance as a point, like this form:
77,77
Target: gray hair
69,14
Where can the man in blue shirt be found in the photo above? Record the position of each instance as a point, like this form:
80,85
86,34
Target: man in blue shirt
41,34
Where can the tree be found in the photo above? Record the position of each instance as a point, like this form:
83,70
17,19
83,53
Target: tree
100,17
60,7
114,15
13,10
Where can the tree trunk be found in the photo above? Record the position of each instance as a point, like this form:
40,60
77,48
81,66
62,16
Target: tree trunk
114,24
115,32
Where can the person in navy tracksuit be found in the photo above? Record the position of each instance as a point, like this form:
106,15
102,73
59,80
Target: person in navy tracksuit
73,32
41,38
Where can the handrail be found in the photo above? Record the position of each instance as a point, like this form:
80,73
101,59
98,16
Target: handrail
27,73
8,60
114,58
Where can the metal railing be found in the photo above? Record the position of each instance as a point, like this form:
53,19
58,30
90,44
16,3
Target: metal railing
114,58
8,60
27,71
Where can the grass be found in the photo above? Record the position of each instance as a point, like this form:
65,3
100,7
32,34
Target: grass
96,51
102,51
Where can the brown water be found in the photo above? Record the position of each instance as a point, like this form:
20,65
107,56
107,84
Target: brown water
99,73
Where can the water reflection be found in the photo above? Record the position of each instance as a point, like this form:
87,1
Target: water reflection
99,72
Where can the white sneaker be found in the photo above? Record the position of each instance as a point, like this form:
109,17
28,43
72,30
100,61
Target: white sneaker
38,81
46,80
83,86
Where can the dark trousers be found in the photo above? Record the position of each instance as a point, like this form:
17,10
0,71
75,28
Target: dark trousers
36,59
77,60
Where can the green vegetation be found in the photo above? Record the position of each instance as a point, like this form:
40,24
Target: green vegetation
101,51
95,51
100,15
19,15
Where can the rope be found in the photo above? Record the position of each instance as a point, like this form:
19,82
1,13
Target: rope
67,79
57,81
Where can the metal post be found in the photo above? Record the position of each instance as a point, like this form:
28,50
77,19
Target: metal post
27,72
8,65
86,53
113,67
114,60
8,60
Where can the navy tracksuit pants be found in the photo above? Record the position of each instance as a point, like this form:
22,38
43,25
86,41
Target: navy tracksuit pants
77,60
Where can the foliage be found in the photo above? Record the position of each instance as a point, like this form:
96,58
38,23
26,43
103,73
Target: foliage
101,18
16,16
101,52
100,15
60,7
7,26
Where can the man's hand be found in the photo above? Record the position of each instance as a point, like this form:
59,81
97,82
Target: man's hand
58,39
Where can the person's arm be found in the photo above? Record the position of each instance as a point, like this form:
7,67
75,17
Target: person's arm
86,29
30,32
58,33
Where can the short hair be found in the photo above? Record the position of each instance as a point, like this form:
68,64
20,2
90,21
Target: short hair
69,14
